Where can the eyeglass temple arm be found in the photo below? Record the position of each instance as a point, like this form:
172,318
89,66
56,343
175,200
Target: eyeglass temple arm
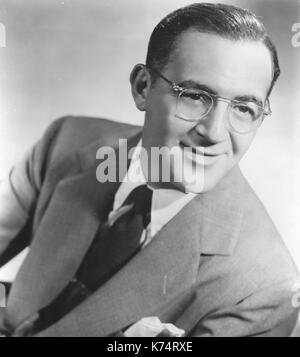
175,86
269,111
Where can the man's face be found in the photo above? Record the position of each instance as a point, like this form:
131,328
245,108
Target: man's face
231,69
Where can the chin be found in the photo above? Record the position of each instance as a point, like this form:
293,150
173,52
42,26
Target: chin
209,182
199,188
188,187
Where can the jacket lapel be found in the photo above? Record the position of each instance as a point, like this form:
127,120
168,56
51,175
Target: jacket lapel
166,267
61,240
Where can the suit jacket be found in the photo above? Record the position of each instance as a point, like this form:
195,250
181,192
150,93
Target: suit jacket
218,268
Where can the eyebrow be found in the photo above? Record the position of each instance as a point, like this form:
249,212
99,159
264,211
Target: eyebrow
196,85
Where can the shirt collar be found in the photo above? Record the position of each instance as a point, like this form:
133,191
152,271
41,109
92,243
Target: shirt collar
133,178
166,203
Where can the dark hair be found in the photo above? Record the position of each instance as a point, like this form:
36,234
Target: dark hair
225,20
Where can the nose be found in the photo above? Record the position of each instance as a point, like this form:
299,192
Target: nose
213,127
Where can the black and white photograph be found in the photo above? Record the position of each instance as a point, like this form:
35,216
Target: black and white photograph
149,170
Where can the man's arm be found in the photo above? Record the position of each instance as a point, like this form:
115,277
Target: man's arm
19,193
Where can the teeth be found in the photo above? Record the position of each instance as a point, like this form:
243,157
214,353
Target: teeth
194,149
200,149
193,156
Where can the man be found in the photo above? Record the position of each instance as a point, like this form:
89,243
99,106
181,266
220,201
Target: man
206,259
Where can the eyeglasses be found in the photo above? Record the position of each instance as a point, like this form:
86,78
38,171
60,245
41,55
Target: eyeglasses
194,104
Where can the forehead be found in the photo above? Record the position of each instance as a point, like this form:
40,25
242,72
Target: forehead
228,67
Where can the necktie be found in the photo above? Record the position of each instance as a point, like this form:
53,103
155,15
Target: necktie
113,246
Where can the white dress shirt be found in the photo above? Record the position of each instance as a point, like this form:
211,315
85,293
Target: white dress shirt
166,203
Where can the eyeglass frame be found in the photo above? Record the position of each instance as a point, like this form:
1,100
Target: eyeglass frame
214,97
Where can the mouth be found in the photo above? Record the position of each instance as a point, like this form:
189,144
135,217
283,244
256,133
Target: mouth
200,154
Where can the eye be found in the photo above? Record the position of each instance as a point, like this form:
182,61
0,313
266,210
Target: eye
245,111
195,97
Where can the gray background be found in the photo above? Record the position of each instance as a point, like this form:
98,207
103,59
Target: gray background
74,57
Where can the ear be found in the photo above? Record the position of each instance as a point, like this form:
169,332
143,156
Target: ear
140,85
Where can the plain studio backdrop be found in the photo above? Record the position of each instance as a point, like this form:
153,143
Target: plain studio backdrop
75,57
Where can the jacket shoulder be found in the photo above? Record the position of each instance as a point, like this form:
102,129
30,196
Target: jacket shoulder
76,132
260,256
256,281
261,248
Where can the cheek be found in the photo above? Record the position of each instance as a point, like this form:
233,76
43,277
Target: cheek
161,125
157,116
158,108
241,143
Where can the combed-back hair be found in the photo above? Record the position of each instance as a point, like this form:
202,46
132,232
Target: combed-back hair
227,21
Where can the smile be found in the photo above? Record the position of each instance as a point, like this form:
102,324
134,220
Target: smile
201,155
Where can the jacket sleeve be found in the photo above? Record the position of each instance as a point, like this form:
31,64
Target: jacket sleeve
19,193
